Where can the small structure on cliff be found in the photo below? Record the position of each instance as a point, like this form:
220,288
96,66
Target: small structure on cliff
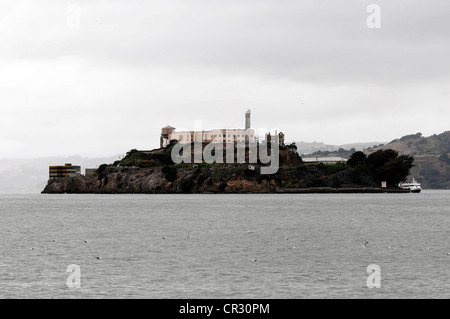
88,171
165,135
270,137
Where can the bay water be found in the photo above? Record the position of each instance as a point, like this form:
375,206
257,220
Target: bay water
287,246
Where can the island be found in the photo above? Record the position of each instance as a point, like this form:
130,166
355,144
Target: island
154,172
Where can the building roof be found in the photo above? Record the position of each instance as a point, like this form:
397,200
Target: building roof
217,129
323,159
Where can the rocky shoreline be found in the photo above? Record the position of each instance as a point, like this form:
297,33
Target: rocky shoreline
79,186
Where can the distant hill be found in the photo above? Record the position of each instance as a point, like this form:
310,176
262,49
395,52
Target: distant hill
306,148
431,154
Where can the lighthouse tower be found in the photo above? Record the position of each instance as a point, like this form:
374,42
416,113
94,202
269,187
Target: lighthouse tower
247,127
247,119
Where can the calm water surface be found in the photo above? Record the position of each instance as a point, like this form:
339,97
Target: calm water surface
305,246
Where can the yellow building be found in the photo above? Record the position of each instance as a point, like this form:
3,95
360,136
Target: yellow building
224,136
64,171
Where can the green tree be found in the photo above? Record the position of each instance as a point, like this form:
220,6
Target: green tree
381,157
357,158
387,165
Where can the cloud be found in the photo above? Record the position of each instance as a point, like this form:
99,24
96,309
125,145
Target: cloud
300,40
101,77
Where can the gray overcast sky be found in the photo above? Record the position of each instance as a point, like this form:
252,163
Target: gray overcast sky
99,77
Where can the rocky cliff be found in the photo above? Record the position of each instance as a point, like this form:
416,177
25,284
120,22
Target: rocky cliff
154,181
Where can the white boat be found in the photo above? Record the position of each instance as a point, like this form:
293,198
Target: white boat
414,186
